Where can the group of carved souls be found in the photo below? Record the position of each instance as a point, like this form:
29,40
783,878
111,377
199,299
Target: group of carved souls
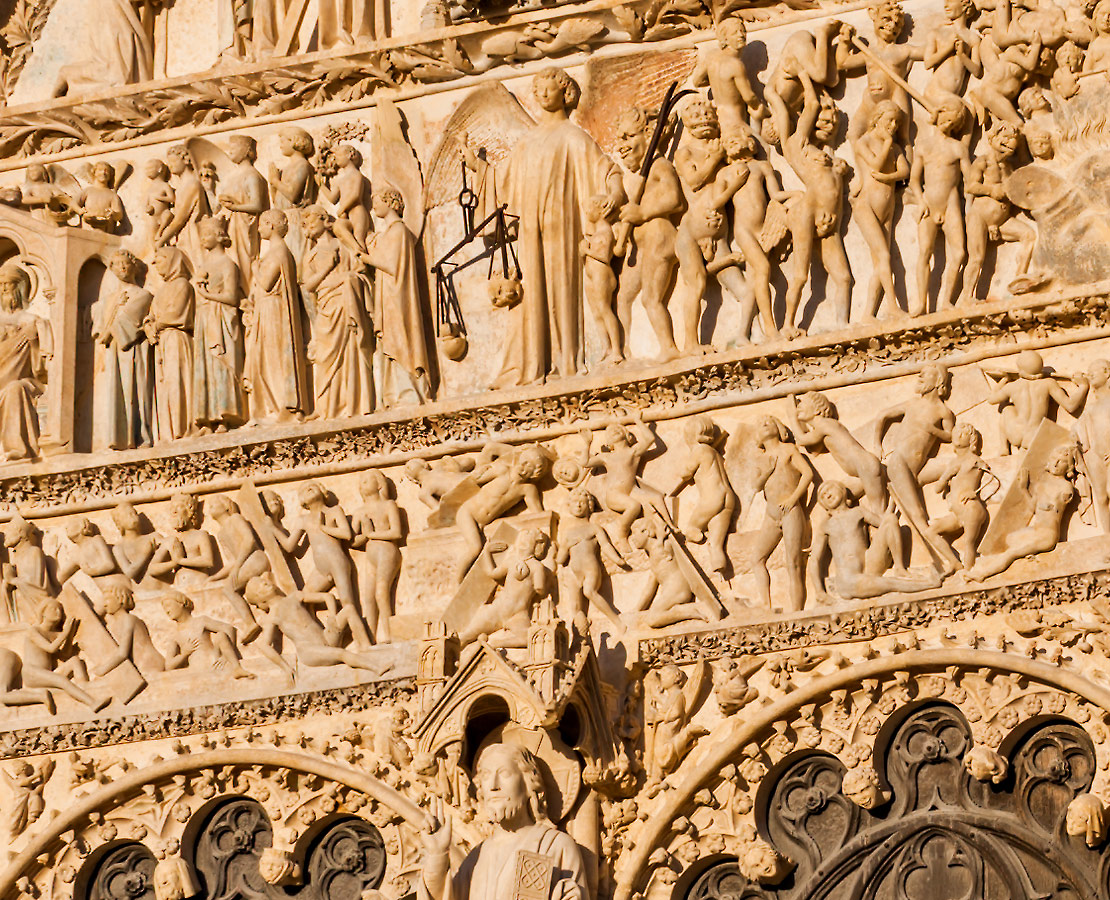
610,519
720,209
267,308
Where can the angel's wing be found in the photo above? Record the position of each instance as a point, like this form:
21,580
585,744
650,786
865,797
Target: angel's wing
492,118
394,162
64,180
698,683
123,172
204,151
613,85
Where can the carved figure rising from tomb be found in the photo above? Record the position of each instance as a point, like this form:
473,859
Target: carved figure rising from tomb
1049,496
952,52
599,282
241,555
88,552
379,532
200,639
132,636
887,62
990,215
964,480
275,376
25,580
159,200
882,164
545,180
620,457
648,218
26,348
915,429
673,701
135,548
861,543
340,348
1025,398
50,659
940,169
435,482
188,552
169,329
26,784
125,357
817,427
399,312
815,212
510,792
217,393
523,580
722,69
99,203
758,227
710,520
1093,434
582,546
285,616
190,204
244,196
508,480
349,191
668,596
328,533
118,49
784,475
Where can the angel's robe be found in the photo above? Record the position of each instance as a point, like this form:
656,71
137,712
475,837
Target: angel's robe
489,871
126,388
119,47
546,180
24,345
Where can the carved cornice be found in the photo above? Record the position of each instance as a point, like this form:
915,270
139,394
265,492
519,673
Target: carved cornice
200,719
873,620
856,355
305,85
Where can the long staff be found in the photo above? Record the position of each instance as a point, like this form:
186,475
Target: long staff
865,48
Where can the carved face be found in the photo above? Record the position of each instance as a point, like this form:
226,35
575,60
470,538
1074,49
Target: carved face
121,267
103,174
1060,462
954,9
831,494
632,148
241,149
1099,373
11,294
888,26
732,34
1004,141
1040,143
126,518
701,120
549,93
502,788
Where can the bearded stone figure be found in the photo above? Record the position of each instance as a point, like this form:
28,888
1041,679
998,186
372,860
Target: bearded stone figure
524,856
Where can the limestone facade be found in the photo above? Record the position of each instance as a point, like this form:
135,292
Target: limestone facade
554,450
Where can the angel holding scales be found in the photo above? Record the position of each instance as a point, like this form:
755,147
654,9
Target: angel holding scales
546,181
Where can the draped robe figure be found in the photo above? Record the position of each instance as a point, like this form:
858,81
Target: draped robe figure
398,317
339,349
120,50
25,345
275,347
546,180
170,329
125,359
217,335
